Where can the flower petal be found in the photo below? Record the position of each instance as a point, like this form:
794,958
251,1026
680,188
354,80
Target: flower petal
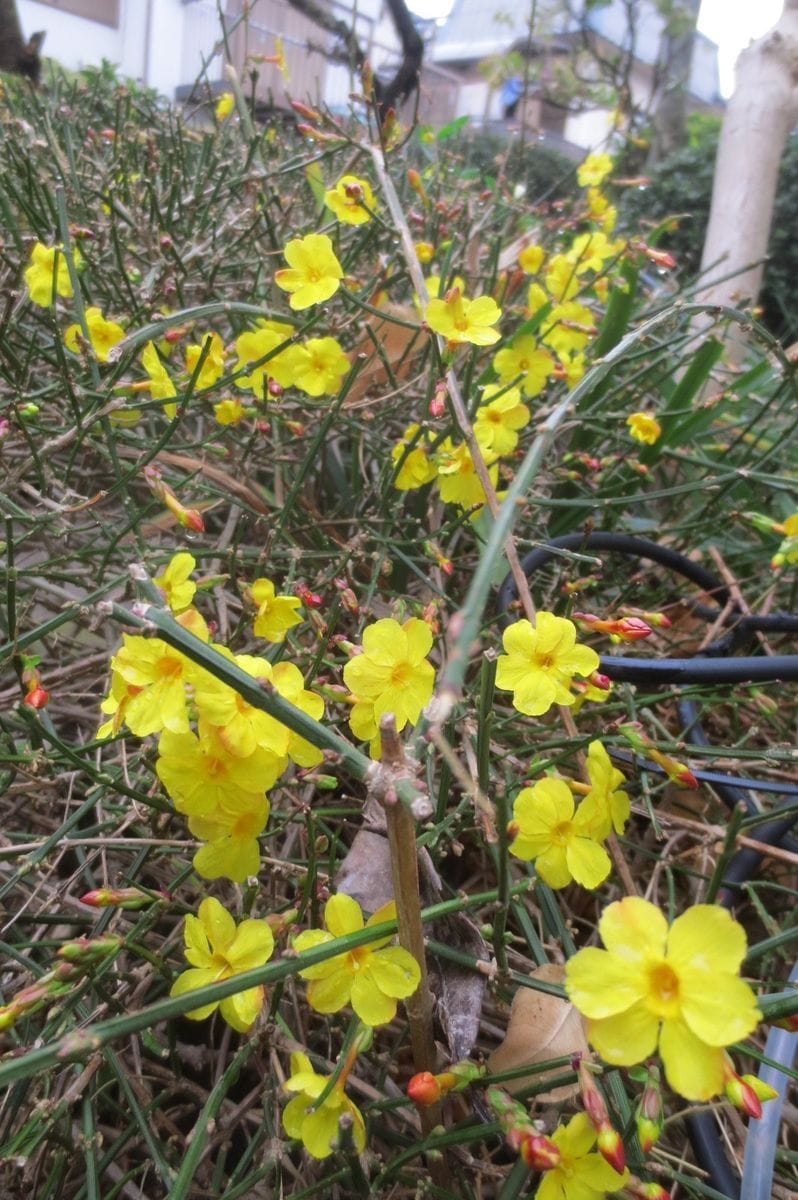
320,1130
718,1008
394,971
252,947
634,929
706,937
692,1068
601,984
626,1038
189,981
240,1010
370,1004
198,951
342,915
330,994
217,923
588,862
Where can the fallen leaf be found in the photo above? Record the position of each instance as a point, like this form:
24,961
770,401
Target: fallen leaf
541,1027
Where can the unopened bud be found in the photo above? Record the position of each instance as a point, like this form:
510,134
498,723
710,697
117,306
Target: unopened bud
128,898
305,111
610,1147
539,1152
85,951
36,696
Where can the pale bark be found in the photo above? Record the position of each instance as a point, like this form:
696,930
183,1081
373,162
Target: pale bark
759,116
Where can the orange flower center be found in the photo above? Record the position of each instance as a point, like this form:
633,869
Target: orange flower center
663,990
400,675
168,668
561,834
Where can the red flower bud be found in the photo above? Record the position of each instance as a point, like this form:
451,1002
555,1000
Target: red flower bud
424,1089
539,1152
36,697
610,1147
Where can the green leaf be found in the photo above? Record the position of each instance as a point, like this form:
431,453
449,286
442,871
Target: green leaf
448,131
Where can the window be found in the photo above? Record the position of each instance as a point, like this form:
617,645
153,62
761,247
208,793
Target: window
105,12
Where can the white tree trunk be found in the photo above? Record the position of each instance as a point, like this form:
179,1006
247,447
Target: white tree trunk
759,116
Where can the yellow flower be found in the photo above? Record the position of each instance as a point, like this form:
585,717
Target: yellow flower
229,411
561,280
174,581
319,366
352,200
606,807
458,482
562,843
536,298
160,675
103,334
42,273
675,987
240,726
594,170
460,320
599,209
202,777
217,949
161,386
568,328
371,977
496,422
425,252
644,428
276,614
530,260
522,357
392,672
540,663
259,343
213,366
316,1125
590,251
580,1174
224,106
313,272
232,851
416,469
288,683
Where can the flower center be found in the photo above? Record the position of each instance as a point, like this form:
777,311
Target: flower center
314,275
400,674
663,990
168,668
561,834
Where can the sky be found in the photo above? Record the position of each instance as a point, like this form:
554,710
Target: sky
730,23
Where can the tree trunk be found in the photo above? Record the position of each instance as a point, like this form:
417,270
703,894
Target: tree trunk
15,55
670,116
759,116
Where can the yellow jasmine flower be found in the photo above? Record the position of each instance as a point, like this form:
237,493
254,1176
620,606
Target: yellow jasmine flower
540,662
416,469
644,428
458,482
103,334
675,987
371,977
202,776
536,298
425,252
217,949
561,281
42,272
276,614
161,386
313,273
580,1174
352,200
573,367
590,251
316,1125
240,726
546,828
599,209
232,851
392,672
522,357
319,367
606,807
288,682
530,259
594,170
460,320
496,423
229,411
160,673
174,581
256,344
224,106
568,328
213,366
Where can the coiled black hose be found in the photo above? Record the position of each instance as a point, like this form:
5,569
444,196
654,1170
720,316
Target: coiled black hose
716,664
